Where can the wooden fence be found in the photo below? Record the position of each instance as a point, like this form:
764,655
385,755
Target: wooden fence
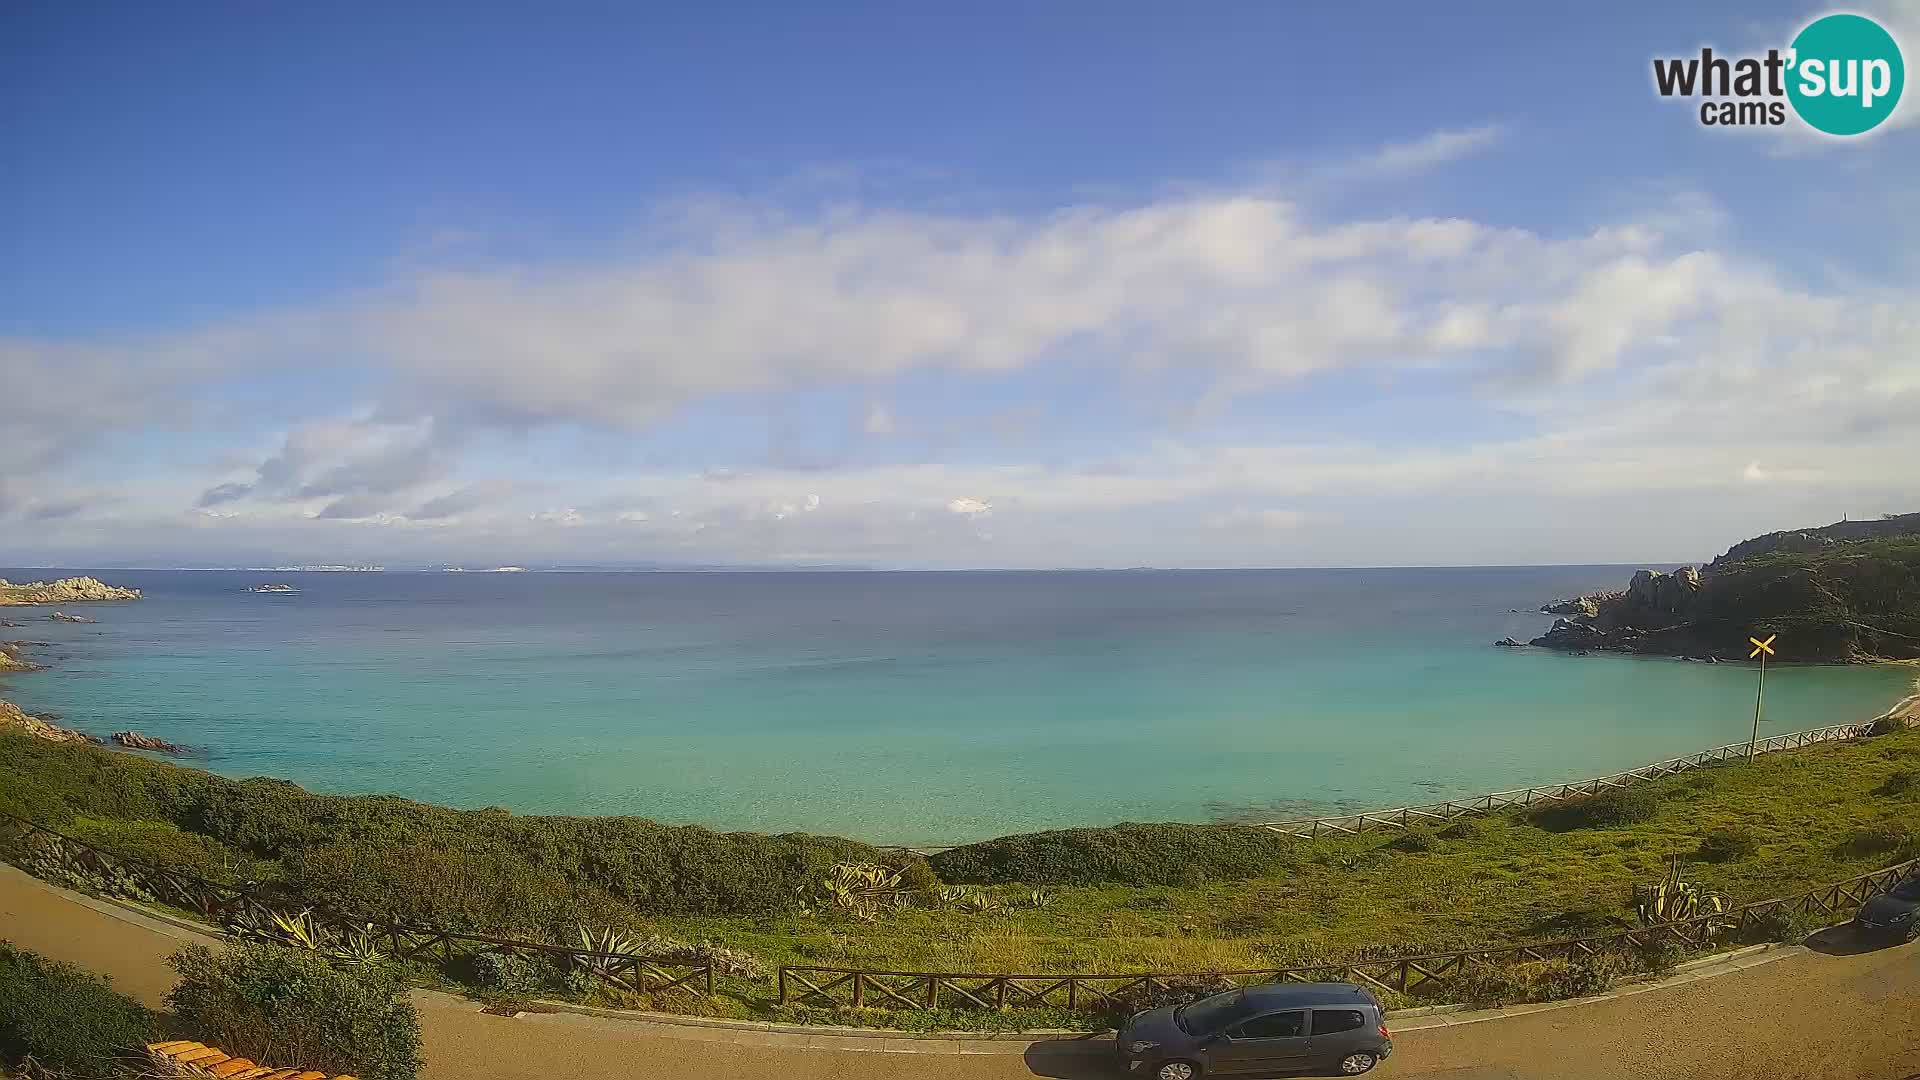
55,856
1404,817
1423,974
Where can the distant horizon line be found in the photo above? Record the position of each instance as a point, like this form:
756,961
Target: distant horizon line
833,569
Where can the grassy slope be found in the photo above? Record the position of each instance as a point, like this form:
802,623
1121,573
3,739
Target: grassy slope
1509,880
1857,597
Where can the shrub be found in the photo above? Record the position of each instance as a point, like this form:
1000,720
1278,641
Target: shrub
1882,837
70,1022
513,975
1129,854
1728,844
1172,990
1607,810
1465,828
1782,924
1413,842
1494,985
1899,782
387,856
289,1007
1578,922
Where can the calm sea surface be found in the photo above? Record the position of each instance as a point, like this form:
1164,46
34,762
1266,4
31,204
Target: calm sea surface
903,707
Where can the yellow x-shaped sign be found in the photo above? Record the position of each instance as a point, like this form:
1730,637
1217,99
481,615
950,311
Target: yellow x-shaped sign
1762,646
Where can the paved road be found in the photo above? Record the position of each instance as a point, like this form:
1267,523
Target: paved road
1808,1016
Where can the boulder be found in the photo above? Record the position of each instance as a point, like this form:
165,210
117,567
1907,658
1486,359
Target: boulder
1568,634
61,616
133,740
1588,606
1510,643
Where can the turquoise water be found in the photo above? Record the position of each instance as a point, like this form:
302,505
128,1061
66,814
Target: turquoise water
900,708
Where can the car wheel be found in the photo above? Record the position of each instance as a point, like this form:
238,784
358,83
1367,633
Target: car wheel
1355,1064
1176,1070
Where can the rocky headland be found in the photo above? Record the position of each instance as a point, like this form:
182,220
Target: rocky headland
65,591
1846,592
10,659
13,720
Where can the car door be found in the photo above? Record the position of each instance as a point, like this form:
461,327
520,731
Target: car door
1271,1044
1339,1032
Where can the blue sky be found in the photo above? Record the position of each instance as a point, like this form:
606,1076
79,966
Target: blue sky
1088,285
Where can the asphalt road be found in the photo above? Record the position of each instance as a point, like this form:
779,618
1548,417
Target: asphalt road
1836,1015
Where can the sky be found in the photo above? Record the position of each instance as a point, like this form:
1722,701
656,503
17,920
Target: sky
997,285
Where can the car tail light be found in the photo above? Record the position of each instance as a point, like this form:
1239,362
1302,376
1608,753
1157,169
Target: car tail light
1383,1032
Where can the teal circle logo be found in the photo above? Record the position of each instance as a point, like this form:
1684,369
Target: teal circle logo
1846,74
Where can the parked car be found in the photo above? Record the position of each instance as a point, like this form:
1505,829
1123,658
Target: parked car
1278,1029
1890,916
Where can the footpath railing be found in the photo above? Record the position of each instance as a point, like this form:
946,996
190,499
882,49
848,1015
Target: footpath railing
1424,973
1404,817
55,856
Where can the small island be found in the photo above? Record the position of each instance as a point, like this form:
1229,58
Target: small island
1845,593
71,590
281,588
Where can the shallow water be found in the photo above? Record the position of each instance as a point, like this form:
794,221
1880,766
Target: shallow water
901,707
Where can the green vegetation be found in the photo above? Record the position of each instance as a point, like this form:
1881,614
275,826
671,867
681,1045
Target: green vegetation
276,1004
70,1023
1126,854
1842,599
1131,898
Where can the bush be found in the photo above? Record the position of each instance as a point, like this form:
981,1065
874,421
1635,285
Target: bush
1899,782
1607,810
70,1022
1413,842
1491,986
1728,844
1588,921
290,1008
513,975
1172,990
1465,828
1881,838
1130,854
379,855
1782,924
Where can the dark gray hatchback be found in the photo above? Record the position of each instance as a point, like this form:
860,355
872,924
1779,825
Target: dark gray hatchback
1279,1029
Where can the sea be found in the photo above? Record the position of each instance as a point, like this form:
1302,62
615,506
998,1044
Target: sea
899,708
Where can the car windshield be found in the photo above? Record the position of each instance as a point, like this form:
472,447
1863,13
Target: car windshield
1208,1015
1908,889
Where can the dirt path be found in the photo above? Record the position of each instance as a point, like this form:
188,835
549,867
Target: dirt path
1808,1016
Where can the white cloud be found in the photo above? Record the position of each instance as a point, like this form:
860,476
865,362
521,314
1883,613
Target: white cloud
969,507
879,420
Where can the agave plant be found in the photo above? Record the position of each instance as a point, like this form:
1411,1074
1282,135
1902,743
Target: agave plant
1673,900
862,891
358,948
1040,899
608,949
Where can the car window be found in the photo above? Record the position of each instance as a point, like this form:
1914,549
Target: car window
1328,1021
1283,1025
1212,1014
1908,889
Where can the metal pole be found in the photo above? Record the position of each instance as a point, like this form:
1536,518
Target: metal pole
1758,693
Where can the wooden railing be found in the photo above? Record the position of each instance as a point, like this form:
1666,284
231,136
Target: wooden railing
1404,817
1424,973
52,855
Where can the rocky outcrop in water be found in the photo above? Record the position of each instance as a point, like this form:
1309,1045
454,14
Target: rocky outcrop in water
24,723
136,741
11,661
65,591
61,616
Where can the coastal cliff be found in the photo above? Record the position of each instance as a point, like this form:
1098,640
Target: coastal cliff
1846,592
65,591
